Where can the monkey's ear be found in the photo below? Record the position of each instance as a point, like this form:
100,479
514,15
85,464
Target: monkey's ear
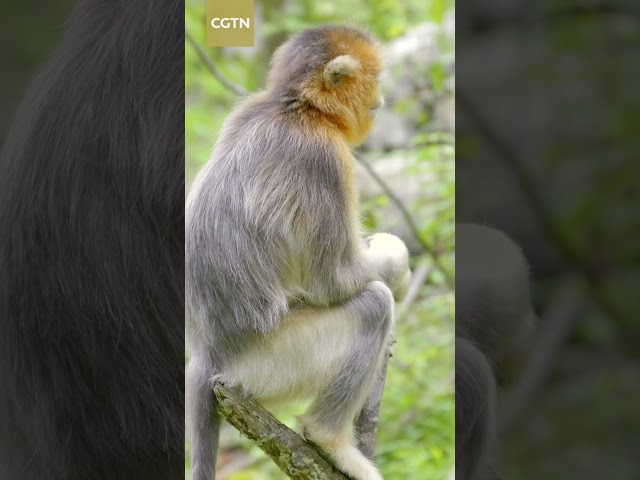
338,69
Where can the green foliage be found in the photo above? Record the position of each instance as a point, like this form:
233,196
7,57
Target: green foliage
208,102
387,18
416,434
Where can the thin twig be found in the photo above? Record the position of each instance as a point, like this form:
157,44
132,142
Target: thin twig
404,211
420,276
418,279
206,59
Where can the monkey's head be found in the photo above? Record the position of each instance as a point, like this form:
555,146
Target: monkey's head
333,70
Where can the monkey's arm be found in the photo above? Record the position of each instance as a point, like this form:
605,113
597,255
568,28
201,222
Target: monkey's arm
339,263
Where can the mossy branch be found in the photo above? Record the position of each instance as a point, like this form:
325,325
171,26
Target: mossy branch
295,457
288,450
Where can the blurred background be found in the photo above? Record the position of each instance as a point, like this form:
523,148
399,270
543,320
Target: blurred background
406,181
548,109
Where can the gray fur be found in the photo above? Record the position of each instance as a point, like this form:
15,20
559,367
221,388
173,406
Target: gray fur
495,326
337,404
295,62
475,410
200,398
270,229
269,189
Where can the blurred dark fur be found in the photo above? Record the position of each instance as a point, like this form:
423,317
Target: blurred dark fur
92,254
495,328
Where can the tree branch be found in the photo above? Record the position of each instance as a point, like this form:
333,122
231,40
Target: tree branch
206,59
420,276
288,450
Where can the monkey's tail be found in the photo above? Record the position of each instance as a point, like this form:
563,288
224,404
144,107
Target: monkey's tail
475,409
203,423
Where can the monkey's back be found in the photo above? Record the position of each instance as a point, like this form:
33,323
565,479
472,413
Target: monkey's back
241,214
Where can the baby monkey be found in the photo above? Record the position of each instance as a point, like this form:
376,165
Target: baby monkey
284,297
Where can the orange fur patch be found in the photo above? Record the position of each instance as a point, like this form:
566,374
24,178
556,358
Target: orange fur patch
347,105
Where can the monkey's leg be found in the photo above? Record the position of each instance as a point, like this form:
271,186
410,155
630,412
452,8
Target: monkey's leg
330,354
329,421
203,420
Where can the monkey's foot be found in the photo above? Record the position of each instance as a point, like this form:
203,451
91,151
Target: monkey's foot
352,463
342,454
218,378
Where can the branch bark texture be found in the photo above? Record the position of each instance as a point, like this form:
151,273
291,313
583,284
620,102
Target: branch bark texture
288,450
295,457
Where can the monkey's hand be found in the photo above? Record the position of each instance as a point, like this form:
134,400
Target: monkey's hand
403,286
390,257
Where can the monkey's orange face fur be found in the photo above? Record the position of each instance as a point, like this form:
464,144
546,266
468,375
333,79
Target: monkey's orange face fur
331,74
348,85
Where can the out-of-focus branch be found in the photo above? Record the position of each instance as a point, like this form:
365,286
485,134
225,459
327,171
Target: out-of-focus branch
209,63
420,276
557,326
